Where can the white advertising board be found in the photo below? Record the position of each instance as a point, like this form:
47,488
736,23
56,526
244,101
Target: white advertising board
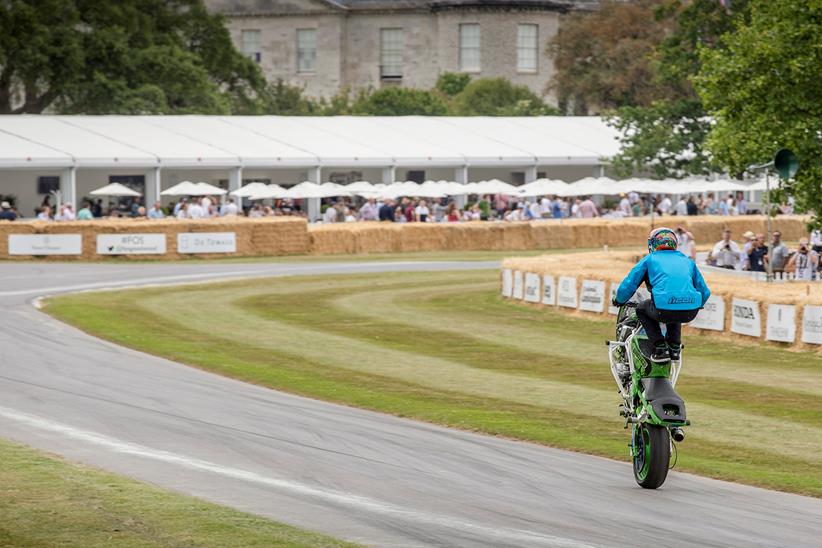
592,296
712,316
131,244
781,323
812,325
567,294
45,244
549,290
517,293
507,282
745,318
206,242
532,294
611,296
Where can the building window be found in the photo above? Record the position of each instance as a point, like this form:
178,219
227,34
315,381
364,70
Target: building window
306,50
418,176
470,47
251,44
527,48
391,48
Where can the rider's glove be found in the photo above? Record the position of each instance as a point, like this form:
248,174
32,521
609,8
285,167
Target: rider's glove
615,302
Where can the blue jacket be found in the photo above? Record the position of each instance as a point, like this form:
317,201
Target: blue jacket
672,278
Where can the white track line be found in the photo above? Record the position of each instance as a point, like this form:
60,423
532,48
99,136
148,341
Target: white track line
348,500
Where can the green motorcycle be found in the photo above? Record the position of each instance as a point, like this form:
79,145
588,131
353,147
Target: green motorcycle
650,405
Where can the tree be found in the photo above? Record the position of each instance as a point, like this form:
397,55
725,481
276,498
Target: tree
451,83
498,97
399,101
763,90
604,59
131,56
667,136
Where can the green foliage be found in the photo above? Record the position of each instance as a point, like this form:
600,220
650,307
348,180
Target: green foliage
604,59
399,101
287,100
451,83
764,93
667,137
128,57
499,97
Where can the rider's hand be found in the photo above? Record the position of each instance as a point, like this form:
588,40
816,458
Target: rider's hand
615,302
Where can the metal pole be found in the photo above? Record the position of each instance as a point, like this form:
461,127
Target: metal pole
770,245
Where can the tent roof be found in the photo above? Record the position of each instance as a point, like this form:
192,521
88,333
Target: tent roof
272,141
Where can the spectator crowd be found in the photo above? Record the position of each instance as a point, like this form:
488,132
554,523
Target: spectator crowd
753,255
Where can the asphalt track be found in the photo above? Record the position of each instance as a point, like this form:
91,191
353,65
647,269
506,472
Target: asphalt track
354,474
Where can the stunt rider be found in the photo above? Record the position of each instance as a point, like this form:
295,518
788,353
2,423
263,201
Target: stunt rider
677,290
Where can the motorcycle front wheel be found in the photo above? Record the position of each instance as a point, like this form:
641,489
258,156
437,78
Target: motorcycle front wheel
651,454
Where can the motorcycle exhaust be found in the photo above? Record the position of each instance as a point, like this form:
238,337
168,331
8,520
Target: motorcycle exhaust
678,434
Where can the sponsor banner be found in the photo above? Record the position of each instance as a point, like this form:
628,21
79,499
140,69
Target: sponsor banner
45,244
532,294
517,293
206,242
611,296
712,316
745,318
567,294
781,323
812,325
549,290
507,282
592,296
131,244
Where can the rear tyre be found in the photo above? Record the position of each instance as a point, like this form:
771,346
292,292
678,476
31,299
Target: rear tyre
651,454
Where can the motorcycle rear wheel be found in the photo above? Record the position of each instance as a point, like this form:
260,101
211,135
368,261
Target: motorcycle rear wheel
651,454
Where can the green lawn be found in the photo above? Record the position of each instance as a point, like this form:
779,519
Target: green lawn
445,348
45,501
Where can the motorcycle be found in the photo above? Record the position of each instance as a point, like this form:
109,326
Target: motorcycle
650,404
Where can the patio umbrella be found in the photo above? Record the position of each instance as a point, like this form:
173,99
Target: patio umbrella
249,190
205,189
115,189
184,188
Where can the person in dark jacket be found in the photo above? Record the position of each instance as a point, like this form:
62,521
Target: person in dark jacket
677,289
386,212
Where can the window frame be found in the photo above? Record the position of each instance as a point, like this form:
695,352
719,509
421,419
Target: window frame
529,48
257,54
300,50
400,51
462,48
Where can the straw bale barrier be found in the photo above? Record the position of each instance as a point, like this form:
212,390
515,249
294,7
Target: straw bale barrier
293,236
611,268
572,233
254,237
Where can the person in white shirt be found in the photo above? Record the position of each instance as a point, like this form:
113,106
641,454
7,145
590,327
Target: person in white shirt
746,248
182,210
195,211
665,206
687,245
625,206
804,262
535,211
681,208
45,214
228,209
330,214
545,207
726,252
421,212
349,216
575,212
369,210
205,203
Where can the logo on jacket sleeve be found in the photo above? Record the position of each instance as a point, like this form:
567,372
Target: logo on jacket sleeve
682,300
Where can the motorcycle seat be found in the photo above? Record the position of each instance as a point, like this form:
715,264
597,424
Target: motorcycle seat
663,398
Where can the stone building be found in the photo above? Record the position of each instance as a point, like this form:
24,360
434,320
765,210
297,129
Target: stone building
327,45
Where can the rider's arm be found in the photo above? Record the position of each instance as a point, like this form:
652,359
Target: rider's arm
700,285
632,281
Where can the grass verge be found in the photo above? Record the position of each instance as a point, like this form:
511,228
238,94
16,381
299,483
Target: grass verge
443,347
45,501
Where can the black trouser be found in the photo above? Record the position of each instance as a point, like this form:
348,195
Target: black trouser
650,317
